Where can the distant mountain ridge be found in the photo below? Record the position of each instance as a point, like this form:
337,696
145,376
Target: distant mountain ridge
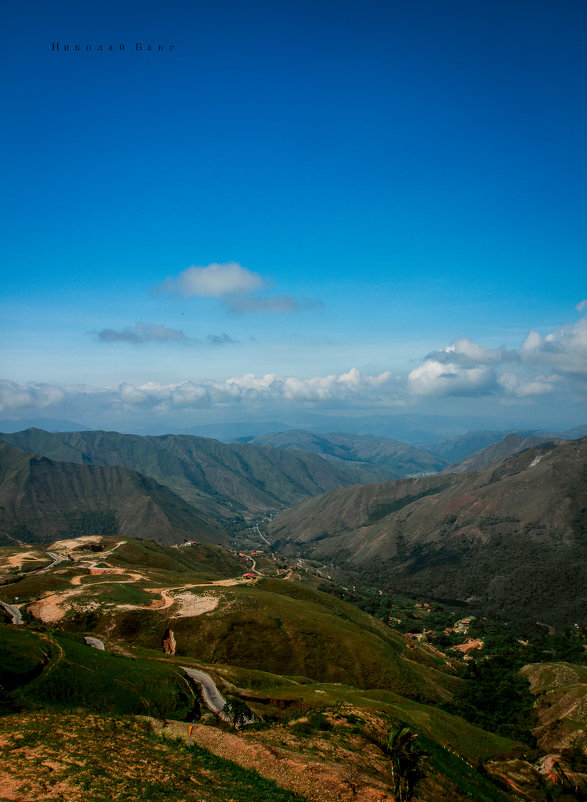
456,449
511,444
386,458
512,536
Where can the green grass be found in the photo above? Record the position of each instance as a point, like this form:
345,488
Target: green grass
22,655
281,628
444,763
471,742
198,563
72,675
75,675
31,586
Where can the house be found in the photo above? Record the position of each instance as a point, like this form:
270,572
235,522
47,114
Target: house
249,576
468,646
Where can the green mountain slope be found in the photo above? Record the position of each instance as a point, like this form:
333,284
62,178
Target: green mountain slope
511,536
41,499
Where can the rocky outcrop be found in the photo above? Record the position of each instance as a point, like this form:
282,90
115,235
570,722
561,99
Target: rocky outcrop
169,642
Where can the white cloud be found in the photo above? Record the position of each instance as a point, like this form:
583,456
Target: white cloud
435,378
465,351
465,368
34,396
565,350
142,333
130,394
352,387
214,281
541,366
582,306
234,286
523,388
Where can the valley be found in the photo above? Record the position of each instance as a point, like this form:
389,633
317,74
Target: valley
325,627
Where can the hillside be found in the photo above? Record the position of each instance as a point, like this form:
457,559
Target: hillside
510,537
561,692
328,681
220,480
134,591
41,499
380,457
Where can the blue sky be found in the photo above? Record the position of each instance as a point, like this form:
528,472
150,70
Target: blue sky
335,207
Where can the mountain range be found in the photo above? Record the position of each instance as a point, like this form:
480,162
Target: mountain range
221,480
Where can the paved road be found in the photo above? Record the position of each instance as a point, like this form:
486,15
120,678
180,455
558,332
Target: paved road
96,643
212,696
14,612
261,535
57,558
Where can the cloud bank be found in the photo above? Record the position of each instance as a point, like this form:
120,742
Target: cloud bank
248,390
551,365
466,369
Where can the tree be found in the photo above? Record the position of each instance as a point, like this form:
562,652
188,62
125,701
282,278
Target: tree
238,712
406,762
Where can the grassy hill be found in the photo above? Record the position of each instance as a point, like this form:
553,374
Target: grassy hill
561,697
136,590
511,537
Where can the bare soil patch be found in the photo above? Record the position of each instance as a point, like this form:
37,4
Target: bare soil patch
190,604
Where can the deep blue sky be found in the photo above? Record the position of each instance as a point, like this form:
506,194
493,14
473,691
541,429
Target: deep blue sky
397,176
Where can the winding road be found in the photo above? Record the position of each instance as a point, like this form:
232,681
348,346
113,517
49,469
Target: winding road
211,695
57,558
261,535
11,608
13,611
